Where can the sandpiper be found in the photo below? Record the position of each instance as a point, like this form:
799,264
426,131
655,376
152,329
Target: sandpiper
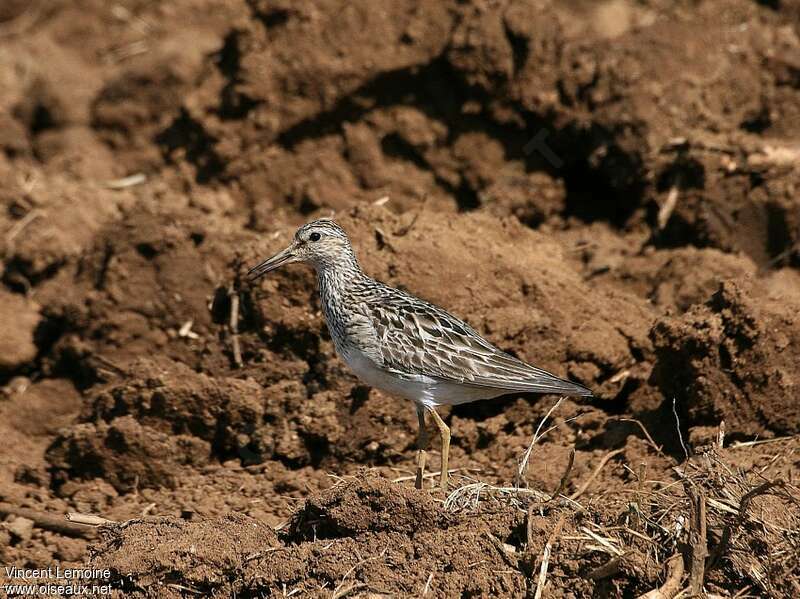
403,345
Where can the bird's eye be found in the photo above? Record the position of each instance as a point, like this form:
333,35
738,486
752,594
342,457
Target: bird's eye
314,237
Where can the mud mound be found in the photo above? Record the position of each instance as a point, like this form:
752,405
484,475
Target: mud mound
372,505
124,453
369,535
175,555
165,417
407,525
734,357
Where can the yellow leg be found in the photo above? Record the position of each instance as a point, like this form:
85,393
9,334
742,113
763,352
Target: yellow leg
422,444
445,433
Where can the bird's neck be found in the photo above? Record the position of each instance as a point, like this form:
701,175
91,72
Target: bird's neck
336,278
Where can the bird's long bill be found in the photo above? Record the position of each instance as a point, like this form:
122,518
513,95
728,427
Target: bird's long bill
283,257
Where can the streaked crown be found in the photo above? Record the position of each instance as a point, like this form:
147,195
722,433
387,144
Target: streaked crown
323,226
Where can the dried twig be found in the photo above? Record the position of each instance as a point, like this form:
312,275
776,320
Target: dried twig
186,589
653,444
233,324
529,525
697,539
88,519
641,477
108,365
548,548
427,586
741,444
605,543
125,182
678,428
20,225
523,466
47,521
186,330
565,476
669,206
433,474
582,489
340,590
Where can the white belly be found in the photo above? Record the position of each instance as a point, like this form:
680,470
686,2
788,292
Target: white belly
421,389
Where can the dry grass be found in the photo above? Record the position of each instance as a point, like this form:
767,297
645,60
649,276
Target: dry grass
711,524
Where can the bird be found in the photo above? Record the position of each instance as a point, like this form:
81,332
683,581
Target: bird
404,345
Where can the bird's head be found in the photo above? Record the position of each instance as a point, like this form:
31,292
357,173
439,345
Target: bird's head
321,243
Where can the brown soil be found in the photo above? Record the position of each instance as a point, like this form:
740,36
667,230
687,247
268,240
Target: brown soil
606,189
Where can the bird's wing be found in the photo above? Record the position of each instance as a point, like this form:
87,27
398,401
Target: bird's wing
417,338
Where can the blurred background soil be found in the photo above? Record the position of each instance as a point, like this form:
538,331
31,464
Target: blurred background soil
607,189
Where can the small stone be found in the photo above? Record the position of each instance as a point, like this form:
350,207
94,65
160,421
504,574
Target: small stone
20,527
17,385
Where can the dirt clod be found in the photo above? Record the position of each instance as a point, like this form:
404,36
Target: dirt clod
732,357
20,319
